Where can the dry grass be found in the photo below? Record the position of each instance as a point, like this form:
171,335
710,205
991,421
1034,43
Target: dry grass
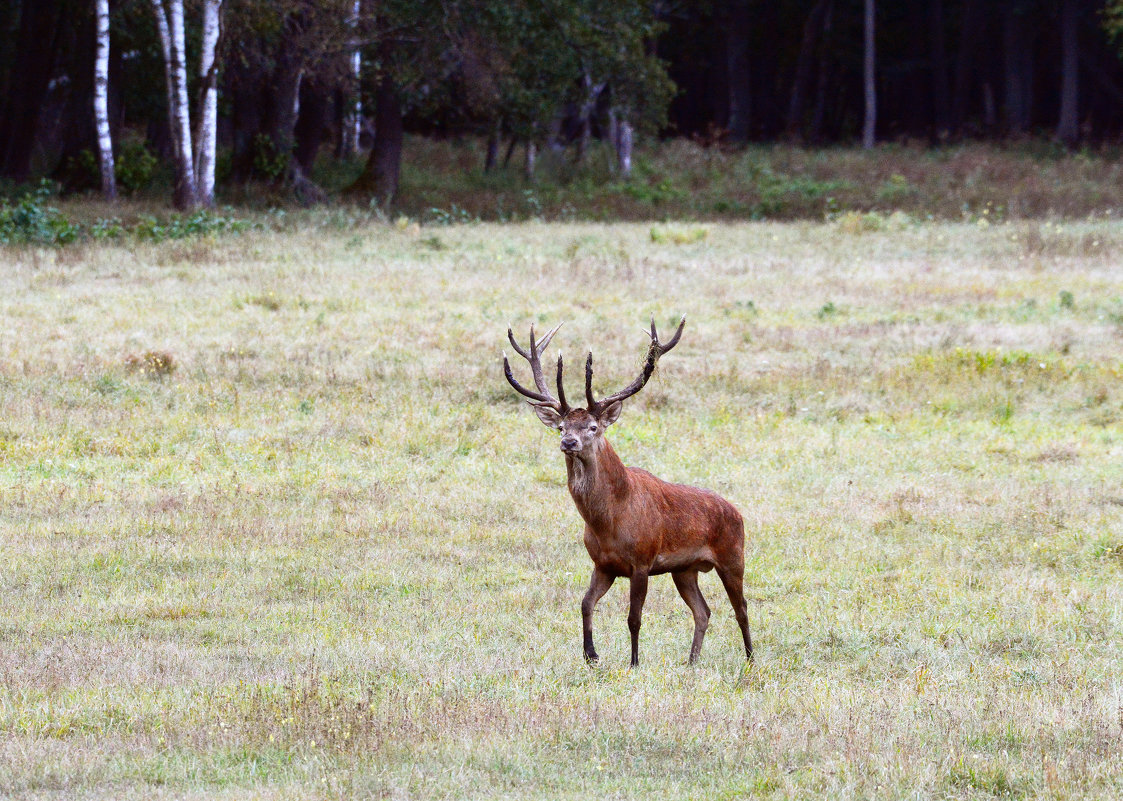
330,555
679,179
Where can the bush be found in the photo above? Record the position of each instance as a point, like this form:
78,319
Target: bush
134,167
30,221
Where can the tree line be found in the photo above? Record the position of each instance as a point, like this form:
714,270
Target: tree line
228,91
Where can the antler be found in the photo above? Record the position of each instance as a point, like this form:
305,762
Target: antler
656,350
542,397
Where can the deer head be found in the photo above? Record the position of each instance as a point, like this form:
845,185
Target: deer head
581,429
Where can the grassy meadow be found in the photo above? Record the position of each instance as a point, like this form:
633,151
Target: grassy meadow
272,524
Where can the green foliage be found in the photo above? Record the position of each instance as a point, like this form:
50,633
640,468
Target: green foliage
29,220
268,160
451,216
1112,20
182,226
657,191
134,166
678,236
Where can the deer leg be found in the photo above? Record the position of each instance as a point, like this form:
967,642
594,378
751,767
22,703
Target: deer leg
686,583
598,586
734,581
635,610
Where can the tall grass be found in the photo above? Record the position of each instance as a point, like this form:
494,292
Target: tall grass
273,525
680,179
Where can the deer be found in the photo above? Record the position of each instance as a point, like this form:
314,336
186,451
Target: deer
636,525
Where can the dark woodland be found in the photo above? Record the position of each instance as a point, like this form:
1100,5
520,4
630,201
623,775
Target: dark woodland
527,76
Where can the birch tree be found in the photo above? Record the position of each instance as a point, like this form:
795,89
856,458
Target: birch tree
207,125
169,24
194,170
101,102
353,120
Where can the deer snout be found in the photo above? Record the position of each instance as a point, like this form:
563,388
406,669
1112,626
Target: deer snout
570,443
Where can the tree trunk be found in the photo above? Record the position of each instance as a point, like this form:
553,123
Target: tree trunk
941,92
73,133
624,140
491,157
531,160
1016,62
380,176
1067,131
510,152
40,25
737,69
282,109
815,131
169,23
207,128
101,103
311,127
588,108
802,79
353,120
869,128
964,68
244,83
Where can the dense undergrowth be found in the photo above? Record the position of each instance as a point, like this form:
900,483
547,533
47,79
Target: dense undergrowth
444,182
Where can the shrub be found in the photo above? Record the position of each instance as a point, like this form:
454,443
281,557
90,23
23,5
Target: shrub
134,166
30,221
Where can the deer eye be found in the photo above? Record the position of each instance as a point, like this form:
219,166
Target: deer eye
592,429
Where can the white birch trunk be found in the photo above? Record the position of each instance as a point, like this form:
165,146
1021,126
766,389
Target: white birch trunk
531,160
206,140
613,135
353,122
169,22
101,103
624,142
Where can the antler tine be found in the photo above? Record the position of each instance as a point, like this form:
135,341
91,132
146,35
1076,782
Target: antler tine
516,346
589,399
561,389
533,356
544,342
523,390
656,350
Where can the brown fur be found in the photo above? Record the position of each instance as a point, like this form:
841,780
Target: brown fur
637,525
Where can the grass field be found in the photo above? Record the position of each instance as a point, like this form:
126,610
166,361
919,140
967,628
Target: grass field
273,525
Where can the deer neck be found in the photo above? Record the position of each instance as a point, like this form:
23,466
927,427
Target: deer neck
598,483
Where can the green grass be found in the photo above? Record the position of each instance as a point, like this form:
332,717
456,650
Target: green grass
273,524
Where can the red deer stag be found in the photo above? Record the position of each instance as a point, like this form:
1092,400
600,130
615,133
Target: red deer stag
637,525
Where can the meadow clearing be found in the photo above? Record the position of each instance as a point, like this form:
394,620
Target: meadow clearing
273,525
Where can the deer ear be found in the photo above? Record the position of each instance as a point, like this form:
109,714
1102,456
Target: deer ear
611,414
549,417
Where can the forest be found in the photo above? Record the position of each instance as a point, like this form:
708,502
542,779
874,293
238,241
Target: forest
212,94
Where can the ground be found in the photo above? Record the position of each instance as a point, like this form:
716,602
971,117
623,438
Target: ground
274,525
